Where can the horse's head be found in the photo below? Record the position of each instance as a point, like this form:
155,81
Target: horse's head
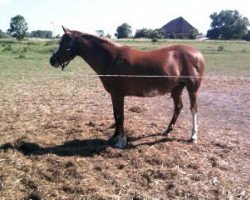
66,51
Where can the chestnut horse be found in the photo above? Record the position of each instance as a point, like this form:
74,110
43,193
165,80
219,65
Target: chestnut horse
125,71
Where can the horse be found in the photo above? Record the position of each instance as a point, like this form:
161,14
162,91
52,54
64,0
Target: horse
125,71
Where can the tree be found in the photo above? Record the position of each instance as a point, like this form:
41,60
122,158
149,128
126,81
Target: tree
123,31
142,33
156,34
228,24
100,33
149,33
3,34
41,34
247,36
18,27
193,34
108,36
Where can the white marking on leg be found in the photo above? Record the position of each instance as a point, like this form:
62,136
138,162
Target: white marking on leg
194,136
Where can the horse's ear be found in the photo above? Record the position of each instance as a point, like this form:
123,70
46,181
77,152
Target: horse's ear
66,31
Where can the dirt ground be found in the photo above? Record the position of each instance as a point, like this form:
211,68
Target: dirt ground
54,144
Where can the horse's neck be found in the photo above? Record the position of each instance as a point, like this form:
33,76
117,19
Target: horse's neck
97,54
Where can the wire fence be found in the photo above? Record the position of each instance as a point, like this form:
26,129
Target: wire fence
211,77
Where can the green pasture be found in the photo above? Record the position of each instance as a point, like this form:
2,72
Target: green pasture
28,61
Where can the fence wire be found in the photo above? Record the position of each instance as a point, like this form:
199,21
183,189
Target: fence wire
126,76
88,76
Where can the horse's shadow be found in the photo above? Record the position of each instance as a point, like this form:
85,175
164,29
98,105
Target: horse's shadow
84,148
160,138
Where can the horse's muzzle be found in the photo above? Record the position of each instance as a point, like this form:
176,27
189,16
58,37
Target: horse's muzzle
54,62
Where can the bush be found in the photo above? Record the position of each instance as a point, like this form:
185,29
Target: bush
154,40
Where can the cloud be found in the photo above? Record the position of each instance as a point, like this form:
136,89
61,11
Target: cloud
5,2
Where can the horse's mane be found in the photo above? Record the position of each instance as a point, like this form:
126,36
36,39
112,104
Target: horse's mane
96,38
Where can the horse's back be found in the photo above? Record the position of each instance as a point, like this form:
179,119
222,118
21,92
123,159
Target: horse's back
175,60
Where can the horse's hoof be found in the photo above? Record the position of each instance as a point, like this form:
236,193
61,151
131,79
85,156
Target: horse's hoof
122,142
167,131
194,141
118,141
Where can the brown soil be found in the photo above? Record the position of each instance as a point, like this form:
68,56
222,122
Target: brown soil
54,144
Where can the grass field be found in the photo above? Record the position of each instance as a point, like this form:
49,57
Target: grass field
54,128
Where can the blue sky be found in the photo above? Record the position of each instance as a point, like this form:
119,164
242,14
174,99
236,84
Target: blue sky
91,15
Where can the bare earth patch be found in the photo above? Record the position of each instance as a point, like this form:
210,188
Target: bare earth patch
53,140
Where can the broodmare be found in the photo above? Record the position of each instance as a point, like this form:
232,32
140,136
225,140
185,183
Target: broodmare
130,72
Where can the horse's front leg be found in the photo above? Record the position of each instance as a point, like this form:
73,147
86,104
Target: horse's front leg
119,139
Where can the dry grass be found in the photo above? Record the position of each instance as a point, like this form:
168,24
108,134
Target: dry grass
54,144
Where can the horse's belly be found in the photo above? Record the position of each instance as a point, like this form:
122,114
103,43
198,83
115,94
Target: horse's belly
149,92
153,93
149,88
140,87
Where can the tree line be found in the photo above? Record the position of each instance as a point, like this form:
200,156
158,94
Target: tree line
226,25
19,29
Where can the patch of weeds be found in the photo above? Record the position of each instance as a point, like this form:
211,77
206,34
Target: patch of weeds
51,50
25,49
22,56
220,48
45,51
31,43
49,43
244,51
8,41
8,48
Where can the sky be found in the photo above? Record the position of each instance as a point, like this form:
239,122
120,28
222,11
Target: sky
91,15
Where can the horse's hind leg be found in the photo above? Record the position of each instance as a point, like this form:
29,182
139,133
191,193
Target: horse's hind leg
176,94
193,103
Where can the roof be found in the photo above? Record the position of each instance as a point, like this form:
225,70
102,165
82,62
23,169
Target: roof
178,25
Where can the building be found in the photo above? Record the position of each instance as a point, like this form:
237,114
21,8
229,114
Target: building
177,28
